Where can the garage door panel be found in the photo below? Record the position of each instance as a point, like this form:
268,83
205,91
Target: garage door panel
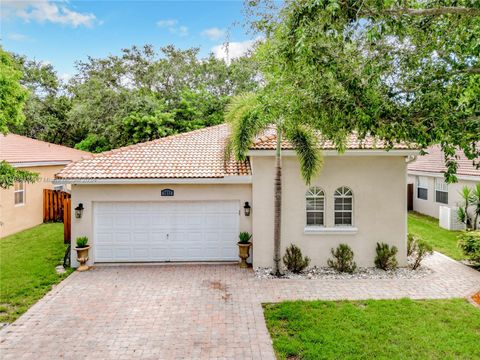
166,231
122,253
140,253
141,220
105,221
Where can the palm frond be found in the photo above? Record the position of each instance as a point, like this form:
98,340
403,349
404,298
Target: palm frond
247,120
305,143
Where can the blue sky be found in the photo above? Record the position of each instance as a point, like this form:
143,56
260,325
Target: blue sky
61,32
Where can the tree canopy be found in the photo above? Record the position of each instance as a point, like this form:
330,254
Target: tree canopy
139,95
12,94
399,70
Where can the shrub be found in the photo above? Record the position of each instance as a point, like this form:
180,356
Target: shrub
342,259
422,249
244,237
411,244
294,260
385,258
469,243
82,242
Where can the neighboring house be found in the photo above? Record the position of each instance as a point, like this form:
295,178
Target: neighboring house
431,192
177,199
21,207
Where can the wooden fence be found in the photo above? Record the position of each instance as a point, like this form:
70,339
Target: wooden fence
57,207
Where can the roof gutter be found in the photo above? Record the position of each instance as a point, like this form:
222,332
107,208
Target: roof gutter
356,152
39,163
191,181
442,175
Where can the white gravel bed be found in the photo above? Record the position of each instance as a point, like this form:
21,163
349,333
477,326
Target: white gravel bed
361,273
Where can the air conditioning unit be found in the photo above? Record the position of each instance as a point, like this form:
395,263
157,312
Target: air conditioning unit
448,218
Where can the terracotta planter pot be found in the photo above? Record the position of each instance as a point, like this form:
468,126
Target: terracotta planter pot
82,257
244,253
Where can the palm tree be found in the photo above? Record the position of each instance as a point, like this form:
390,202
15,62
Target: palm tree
468,198
476,204
248,119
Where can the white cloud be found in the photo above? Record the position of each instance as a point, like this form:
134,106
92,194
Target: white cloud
46,11
214,33
183,31
17,37
167,23
171,25
232,50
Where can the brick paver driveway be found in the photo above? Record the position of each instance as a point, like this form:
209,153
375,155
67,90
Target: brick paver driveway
189,311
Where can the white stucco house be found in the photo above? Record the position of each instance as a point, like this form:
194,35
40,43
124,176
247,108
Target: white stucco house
178,199
432,195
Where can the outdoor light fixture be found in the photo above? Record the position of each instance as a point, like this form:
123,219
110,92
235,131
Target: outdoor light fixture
247,208
79,211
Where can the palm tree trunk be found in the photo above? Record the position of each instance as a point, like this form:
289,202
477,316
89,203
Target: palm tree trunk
278,205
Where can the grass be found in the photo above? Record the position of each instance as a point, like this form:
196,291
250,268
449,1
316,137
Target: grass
27,267
375,329
442,240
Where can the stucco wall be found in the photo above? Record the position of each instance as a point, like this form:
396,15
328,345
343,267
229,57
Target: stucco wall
21,217
88,194
430,206
379,188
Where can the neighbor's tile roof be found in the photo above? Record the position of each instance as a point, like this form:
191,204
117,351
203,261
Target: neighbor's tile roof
21,149
196,154
434,162
268,141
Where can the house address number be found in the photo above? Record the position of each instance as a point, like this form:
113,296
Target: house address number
167,192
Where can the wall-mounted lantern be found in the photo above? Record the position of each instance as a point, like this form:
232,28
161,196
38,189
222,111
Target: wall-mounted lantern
79,211
247,208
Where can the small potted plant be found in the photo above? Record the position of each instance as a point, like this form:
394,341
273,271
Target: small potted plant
244,248
82,252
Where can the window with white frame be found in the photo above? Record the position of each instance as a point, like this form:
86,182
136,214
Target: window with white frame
441,191
422,187
315,206
19,190
343,207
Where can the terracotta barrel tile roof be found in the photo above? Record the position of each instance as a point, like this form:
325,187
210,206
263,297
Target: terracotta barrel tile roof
268,141
21,149
434,162
196,154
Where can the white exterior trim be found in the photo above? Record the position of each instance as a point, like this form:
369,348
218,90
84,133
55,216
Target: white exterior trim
39,163
225,180
440,175
338,230
357,152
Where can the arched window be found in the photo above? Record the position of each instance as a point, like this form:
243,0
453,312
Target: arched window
315,206
343,206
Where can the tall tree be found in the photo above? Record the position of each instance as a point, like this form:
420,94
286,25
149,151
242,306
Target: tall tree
399,70
248,119
12,94
47,106
145,93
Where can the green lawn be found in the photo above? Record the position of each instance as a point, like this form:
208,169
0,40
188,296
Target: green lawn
27,267
442,240
375,329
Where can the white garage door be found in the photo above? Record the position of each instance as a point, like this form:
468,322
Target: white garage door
166,231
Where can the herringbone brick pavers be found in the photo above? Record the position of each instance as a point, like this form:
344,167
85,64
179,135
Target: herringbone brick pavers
189,311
